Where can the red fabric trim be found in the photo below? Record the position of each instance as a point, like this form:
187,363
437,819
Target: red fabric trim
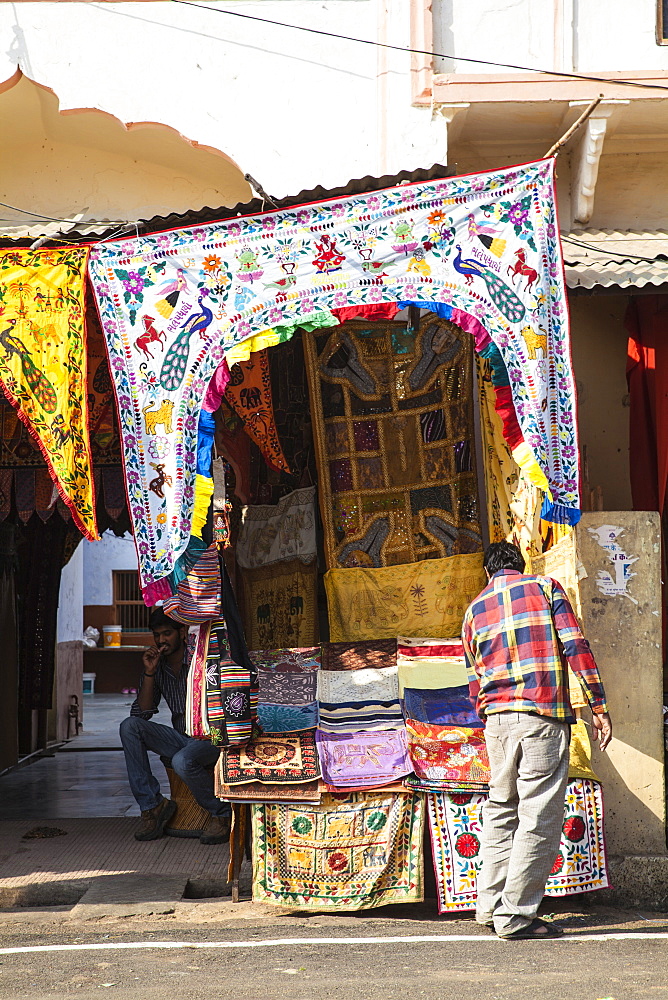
504,406
373,311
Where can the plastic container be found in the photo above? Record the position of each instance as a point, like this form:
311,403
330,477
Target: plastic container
89,683
112,635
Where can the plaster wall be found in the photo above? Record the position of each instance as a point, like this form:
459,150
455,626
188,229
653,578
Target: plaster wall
598,340
99,561
626,192
548,34
294,109
71,598
623,627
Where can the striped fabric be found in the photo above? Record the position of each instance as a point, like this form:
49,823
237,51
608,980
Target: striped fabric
430,664
197,597
512,634
360,716
231,700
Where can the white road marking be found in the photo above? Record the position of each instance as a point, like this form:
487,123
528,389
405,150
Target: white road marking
283,942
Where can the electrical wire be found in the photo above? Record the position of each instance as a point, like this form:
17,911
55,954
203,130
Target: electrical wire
424,52
66,222
611,253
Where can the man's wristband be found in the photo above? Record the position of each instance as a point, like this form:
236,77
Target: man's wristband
149,675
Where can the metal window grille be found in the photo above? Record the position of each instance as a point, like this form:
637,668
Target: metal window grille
131,612
662,22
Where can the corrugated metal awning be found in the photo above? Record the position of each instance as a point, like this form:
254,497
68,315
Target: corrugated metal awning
84,231
615,258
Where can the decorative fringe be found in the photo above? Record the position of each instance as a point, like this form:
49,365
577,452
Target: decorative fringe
201,503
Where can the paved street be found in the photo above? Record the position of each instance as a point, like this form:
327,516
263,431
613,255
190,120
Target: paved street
345,957
117,896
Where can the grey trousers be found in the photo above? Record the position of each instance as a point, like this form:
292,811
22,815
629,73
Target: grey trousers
523,817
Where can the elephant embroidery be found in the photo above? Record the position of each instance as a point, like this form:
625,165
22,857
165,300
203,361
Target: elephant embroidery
297,605
384,607
264,614
250,397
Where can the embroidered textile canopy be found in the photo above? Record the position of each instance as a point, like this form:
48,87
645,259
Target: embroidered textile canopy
481,250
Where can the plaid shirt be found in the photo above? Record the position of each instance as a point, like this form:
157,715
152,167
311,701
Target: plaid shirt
511,634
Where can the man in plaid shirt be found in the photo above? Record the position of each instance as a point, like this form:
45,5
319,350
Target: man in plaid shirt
518,635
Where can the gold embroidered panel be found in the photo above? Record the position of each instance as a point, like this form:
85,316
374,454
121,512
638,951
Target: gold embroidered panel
392,410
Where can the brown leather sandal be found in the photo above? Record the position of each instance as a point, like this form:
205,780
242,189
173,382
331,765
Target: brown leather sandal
535,931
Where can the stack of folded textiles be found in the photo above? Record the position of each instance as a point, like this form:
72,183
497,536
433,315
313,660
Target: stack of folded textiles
287,689
446,741
361,735
280,762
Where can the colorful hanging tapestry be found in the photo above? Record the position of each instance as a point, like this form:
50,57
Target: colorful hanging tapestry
287,660
248,392
292,414
104,439
359,716
275,534
232,442
501,470
430,664
274,758
363,760
455,827
43,368
426,598
231,691
445,706
357,655
448,753
362,852
174,303
280,605
393,424
286,718
358,685
281,687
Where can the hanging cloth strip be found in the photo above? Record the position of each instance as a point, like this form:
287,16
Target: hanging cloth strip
482,250
426,598
43,370
274,533
248,391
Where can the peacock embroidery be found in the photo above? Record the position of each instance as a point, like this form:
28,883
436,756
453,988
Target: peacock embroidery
503,297
175,363
39,384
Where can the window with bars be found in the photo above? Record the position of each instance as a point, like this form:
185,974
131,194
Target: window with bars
662,22
131,612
